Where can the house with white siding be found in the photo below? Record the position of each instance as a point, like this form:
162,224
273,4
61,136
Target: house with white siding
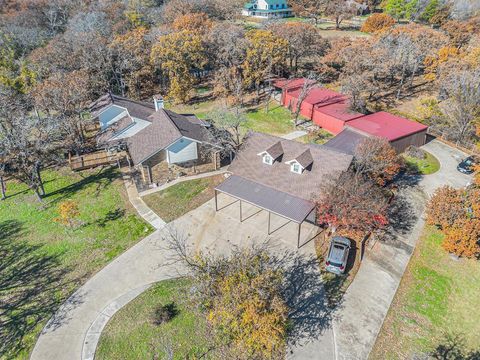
161,144
267,9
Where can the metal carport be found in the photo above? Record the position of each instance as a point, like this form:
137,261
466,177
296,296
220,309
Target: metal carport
266,198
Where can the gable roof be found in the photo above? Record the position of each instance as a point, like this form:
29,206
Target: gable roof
386,125
163,129
319,96
278,176
276,150
339,110
305,159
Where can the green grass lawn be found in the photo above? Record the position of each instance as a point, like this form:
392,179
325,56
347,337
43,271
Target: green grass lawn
436,306
318,137
426,166
181,198
43,262
277,121
132,333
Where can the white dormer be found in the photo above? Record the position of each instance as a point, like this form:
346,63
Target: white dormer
273,153
295,166
266,158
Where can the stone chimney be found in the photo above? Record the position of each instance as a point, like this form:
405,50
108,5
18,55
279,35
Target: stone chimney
158,102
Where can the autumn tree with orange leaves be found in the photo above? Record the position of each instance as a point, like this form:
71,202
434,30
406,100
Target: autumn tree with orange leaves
241,296
463,238
375,158
352,203
377,22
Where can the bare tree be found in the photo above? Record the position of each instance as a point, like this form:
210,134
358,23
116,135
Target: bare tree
461,107
28,141
226,131
375,159
308,85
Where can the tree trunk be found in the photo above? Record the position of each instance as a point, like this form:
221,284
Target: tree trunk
40,186
337,23
3,188
37,192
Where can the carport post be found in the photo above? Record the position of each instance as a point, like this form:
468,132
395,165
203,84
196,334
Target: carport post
299,229
241,211
269,213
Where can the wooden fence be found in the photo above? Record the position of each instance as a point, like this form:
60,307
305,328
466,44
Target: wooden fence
95,159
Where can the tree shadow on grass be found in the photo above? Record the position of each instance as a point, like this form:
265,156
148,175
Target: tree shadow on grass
112,215
30,287
453,348
102,178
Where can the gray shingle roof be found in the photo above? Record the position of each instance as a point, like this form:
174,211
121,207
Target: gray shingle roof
278,176
305,159
346,141
166,126
276,150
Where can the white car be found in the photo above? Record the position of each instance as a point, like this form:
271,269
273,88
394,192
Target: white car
337,257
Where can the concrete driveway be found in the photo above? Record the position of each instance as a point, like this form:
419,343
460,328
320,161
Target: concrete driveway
365,304
448,174
74,331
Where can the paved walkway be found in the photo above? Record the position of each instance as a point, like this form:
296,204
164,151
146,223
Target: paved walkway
365,304
294,135
143,210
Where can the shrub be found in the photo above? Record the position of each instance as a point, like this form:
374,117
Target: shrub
415,152
445,207
462,238
377,22
165,313
68,211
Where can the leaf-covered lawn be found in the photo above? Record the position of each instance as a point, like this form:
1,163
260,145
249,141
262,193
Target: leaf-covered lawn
316,137
43,262
436,306
133,334
181,198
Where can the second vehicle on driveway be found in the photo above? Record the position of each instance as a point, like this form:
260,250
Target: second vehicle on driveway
337,255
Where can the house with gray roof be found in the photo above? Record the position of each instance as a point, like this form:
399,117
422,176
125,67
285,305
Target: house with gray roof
161,144
282,177
267,9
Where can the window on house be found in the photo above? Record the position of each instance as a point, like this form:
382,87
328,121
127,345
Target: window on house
267,159
296,168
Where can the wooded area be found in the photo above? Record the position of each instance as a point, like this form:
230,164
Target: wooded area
56,57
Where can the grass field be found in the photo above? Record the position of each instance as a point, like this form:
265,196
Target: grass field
181,198
426,166
435,308
277,121
132,333
44,261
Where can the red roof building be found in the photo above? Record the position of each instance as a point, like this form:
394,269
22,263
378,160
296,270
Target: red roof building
334,117
399,131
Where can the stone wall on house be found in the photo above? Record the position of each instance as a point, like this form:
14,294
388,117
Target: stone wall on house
162,172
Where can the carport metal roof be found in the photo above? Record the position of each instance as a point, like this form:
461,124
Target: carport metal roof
280,203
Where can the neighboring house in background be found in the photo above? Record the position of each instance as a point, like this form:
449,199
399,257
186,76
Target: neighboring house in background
161,144
330,110
282,176
268,9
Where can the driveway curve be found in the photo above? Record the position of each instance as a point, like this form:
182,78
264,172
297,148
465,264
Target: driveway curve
73,332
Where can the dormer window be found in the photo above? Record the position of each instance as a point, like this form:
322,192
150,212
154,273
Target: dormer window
296,168
267,159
